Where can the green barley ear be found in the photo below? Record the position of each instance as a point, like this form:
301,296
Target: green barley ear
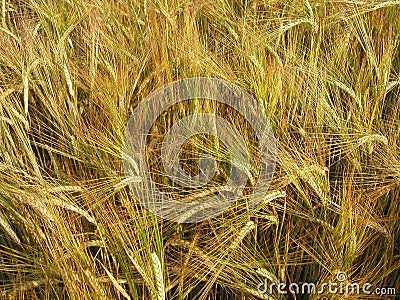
158,276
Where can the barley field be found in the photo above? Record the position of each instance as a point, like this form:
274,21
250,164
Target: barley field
327,77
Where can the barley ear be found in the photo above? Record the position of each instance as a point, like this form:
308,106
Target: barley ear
158,276
243,232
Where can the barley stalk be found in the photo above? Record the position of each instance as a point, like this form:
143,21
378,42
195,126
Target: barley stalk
116,284
142,273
